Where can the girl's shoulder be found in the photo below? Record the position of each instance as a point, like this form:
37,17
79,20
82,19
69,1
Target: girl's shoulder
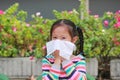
81,56
78,57
49,58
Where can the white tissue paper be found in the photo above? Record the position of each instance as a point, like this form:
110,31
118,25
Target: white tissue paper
66,48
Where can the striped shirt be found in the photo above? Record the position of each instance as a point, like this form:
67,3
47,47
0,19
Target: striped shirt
74,69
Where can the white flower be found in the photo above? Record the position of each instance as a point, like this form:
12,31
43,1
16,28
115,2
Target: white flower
41,16
103,31
38,14
33,16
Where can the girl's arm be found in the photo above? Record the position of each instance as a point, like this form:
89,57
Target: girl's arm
75,70
50,71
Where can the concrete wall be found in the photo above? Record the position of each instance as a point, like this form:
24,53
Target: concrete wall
20,67
92,66
115,69
24,67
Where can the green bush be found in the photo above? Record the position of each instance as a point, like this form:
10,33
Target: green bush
19,38
101,34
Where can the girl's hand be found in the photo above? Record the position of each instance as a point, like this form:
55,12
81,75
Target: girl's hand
57,57
56,54
32,78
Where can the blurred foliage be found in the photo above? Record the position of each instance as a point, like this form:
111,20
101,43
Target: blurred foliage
101,34
19,38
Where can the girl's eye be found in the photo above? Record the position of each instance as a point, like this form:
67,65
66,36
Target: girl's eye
54,37
63,38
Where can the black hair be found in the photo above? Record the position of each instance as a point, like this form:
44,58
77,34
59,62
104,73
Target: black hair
73,30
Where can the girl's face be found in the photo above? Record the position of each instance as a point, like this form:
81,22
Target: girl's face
61,32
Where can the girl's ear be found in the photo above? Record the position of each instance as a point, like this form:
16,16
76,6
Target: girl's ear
75,39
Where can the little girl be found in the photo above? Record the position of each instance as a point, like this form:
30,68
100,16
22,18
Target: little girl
57,67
